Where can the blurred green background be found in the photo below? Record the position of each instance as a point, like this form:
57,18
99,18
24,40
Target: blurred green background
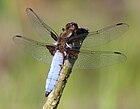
22,79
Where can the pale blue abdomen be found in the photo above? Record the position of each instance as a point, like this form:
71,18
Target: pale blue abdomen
54,72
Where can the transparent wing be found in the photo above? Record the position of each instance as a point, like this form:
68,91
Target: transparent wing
46,32
105,35
97,59
38,50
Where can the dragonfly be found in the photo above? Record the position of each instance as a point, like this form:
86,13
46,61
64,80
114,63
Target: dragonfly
73,43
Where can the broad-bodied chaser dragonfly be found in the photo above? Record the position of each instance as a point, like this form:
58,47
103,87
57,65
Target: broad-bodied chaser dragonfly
70,44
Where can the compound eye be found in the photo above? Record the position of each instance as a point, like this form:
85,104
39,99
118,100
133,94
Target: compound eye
63,29
68,25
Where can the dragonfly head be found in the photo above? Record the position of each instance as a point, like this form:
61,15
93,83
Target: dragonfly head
71,27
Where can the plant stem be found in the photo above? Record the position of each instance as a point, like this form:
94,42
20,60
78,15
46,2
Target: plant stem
54,97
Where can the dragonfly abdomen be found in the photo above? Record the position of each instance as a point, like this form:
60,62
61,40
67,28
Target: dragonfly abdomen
54,72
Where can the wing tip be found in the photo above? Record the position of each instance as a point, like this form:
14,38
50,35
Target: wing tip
29,9
122,55
121,23
16,36
117,52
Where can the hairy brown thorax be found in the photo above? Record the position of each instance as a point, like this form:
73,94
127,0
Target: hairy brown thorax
67,40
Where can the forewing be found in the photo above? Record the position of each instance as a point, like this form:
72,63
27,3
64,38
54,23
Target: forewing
38,50
46,32
104,35
97,59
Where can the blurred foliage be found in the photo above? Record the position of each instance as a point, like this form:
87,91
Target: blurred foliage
22,79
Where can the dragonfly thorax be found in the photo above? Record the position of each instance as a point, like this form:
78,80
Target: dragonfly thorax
71,39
